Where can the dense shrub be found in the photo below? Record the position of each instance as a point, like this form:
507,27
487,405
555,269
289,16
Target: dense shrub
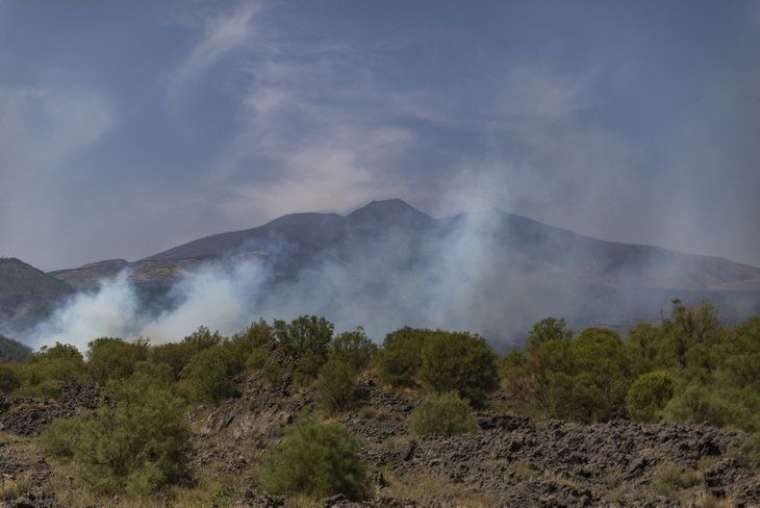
443,414
460,362
44,373
703,404
602,373
209,375
337,384
139,446
648,396
354,347
317,460
177,354
400,359
110,358
548,329
10,379
306,339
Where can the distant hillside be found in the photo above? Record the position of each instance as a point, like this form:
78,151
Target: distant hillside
26,293
11,350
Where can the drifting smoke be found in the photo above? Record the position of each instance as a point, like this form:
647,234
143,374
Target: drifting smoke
464,273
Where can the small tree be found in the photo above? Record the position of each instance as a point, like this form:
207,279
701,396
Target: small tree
444,415
648,396
548,329
461,362
337,384
317,460
110,358
400,358
209,375
354,347
306,339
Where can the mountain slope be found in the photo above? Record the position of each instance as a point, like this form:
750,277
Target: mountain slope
27,293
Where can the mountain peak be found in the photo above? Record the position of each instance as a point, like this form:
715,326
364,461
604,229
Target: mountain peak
389,211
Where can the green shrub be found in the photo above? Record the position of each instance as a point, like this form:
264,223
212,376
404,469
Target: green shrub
60,437
110,358
317,460
460,362
139,446
400,358
648,396
209,375
10,379
257,336
45,373
177,354
355,348
443,414
701,404
306,339
600,358
749,452
548,329
337,384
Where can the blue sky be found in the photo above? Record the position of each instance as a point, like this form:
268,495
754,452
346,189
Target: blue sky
129,127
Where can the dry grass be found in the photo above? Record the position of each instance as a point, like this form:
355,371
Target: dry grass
434,490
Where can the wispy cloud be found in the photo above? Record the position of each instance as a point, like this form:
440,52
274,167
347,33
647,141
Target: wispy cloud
223,33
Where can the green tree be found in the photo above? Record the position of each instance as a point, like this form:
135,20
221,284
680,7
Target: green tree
209,375
355,348
306,339
460,362
337,384
400,358
317,460
111,358
548,329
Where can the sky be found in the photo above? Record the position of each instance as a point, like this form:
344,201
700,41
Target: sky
130,127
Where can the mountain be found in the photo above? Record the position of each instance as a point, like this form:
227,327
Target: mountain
26,293
389,259
304,237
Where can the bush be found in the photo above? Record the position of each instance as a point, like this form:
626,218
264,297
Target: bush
177,354
355,348
209,375
648,396
749,453
110,358
701,404
603,371
548,329
400,358
9,378
317,460
45,372
460,362
306,339
59,439
337,384
139,446
444,415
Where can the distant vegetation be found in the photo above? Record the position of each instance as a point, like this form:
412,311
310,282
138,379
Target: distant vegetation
688,368
11,350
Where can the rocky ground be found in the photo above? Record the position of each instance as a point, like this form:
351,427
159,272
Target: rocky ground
510,461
